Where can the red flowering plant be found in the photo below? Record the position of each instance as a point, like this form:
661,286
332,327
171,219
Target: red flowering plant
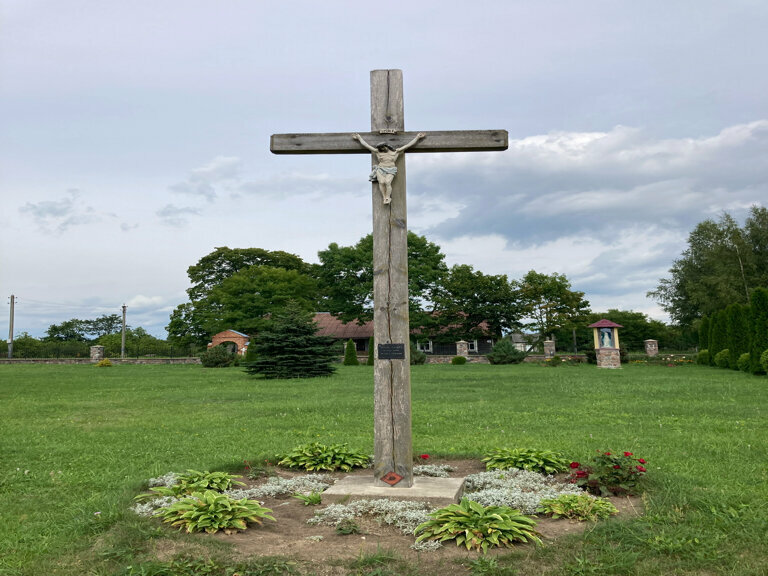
609,473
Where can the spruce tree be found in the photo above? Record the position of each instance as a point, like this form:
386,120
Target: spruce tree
737,328
350,354
290,348
758,329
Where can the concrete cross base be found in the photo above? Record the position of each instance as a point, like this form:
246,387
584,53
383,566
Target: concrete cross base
438,492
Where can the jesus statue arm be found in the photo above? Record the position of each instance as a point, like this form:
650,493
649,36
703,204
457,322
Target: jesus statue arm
413,142
363,142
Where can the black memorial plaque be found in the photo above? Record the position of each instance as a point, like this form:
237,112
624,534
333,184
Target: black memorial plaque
391,351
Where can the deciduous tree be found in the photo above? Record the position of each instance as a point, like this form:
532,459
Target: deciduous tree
470,304
346,278
721,266
547,302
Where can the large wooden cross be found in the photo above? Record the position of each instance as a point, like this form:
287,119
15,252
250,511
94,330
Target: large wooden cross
393,452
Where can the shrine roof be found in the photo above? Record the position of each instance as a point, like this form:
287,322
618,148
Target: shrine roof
605,324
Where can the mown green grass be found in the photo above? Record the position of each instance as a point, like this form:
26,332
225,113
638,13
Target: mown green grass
77,442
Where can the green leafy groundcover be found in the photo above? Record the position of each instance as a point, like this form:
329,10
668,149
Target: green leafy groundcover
577,507
211,511
317,456
477,526
544,461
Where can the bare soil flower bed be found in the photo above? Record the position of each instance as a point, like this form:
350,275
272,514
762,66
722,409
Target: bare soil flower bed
325,552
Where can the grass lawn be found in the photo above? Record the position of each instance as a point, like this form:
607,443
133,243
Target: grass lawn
77,442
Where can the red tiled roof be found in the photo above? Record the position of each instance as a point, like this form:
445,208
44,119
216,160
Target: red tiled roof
329,325
605,324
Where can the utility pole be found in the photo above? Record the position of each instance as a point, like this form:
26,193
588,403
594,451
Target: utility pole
10,330
122,345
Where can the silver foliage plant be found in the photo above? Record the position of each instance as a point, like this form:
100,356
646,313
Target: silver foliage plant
404,515
519,489
433,470
276,486
273,488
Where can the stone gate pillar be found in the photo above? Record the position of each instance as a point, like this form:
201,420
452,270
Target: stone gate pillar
97,353
549,348
651,347
462,348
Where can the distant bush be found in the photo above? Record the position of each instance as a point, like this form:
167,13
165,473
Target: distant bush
417,356
703,357
458,360
504,352
217,357
623,356
370,352
350,354
743,362
105,363
722,358
591,356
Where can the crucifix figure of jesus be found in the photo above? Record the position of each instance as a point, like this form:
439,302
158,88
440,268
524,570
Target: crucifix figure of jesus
384,172
393,451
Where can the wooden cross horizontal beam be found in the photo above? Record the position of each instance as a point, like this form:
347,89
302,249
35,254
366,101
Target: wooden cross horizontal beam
438,141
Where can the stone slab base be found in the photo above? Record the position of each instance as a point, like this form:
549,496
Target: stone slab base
437,491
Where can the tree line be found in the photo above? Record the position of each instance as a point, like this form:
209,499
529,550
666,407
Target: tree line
239,288
723,264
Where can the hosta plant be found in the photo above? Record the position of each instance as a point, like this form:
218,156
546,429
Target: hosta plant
316,456
609,473
311,499
544,461
577,507
476,526
194,481
211,511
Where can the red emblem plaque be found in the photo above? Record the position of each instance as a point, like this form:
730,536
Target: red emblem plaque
391,478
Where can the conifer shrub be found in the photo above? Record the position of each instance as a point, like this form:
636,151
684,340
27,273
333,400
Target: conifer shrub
737,331
458,360
217,357
417,356
722,358
704,334
743,362
703,357
764,361
504,352
718,337
350,354
290,348
758,329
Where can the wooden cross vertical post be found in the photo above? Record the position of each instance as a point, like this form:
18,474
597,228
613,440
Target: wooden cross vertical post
393,452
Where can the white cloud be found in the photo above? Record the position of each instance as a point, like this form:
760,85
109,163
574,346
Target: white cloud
578,183
58,216
204,182
176,216
141,301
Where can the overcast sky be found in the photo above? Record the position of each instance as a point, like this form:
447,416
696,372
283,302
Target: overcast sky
134,138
